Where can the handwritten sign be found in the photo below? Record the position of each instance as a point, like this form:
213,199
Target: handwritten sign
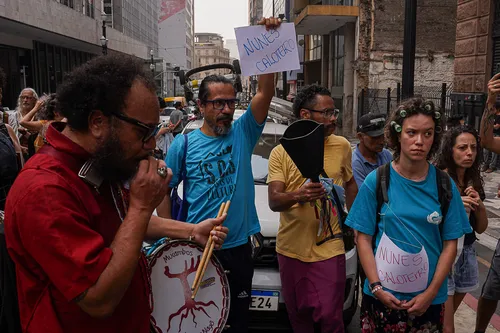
263,51
399,270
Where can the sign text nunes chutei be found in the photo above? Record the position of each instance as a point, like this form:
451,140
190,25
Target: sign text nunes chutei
263,51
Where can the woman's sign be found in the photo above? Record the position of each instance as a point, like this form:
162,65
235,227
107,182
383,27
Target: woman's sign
399,270
263,51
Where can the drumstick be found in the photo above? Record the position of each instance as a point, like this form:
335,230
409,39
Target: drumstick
205,252
207,259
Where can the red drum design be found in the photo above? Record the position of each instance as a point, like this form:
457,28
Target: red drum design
173,267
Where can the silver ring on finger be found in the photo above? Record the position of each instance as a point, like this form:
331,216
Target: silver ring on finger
162,172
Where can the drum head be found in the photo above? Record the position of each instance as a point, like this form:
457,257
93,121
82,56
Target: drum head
173,269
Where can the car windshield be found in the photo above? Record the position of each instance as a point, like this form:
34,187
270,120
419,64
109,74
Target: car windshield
260,156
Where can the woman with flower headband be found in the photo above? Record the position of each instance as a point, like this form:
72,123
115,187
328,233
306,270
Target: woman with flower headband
406,243
459,157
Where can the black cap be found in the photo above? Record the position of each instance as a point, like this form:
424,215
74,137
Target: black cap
372,124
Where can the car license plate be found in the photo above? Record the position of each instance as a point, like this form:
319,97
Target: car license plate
265,300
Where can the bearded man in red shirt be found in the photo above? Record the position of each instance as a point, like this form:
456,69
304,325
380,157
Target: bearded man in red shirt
73,229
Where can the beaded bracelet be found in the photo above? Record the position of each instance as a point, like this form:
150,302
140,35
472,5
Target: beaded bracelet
377,288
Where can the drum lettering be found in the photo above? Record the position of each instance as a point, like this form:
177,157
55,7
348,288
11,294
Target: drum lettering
209,328
174,254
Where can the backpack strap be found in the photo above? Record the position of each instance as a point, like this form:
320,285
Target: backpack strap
381,191
382,186
445,194
183,165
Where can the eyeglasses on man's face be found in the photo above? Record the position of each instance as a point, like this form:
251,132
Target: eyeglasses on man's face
150,131
23,97
327,113
220,104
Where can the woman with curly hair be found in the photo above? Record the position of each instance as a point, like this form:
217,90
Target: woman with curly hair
459,157
405,245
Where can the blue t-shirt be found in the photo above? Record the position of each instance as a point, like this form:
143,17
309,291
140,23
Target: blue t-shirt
361,167
219,169
415,203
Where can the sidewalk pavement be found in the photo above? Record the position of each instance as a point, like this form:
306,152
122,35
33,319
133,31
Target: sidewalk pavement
465,317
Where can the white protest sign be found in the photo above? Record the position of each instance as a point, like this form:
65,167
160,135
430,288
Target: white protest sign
263,51
399,270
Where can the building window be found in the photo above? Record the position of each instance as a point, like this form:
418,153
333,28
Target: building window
69,3
314,47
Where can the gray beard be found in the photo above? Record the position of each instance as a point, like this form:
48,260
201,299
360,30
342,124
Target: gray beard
218,130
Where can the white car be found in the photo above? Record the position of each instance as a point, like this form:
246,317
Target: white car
268,306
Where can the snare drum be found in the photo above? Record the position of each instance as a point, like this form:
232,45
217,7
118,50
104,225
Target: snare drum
173,266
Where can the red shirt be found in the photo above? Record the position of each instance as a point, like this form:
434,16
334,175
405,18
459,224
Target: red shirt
58,231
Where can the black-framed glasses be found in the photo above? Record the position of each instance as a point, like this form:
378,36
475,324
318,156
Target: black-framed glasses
327,113
220,104
150,130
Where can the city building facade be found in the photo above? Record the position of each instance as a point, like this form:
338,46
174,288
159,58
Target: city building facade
176,41
176,32
477,53
135,19
40,41
209,49
351,46
255,11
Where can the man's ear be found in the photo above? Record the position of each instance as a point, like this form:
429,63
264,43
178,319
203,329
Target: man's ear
98,124
200,106
304,114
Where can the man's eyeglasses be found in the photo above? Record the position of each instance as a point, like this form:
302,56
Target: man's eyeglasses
150,130
27,97
220,104
327,113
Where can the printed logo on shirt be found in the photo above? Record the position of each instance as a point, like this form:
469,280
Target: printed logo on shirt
218,170
434,218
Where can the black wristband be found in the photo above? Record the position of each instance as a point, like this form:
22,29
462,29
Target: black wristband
373,285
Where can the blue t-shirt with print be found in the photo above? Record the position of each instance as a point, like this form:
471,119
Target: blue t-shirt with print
219,169
414,204
361,167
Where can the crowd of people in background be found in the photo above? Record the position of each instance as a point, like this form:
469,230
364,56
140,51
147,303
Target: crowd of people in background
412,188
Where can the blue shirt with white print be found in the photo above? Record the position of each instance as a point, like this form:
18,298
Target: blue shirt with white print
219,169
416,204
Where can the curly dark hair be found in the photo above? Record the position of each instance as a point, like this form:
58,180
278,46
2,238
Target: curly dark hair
203,91
306,97
102,84
411,107
48,111
445,157
3,78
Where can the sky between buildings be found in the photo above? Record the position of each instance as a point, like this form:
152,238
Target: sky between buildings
220,16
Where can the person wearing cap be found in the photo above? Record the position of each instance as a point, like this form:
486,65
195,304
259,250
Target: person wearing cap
370,152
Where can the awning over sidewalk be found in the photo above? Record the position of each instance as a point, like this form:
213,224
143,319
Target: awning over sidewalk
321,19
